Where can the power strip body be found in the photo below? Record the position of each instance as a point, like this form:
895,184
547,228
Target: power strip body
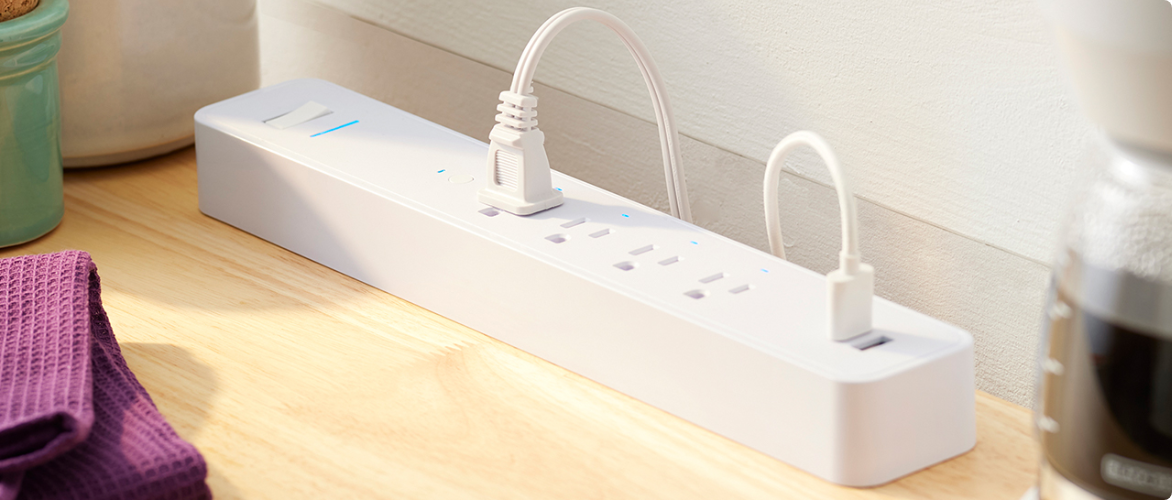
710,330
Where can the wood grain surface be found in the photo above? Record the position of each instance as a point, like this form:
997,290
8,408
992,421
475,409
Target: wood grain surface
299,382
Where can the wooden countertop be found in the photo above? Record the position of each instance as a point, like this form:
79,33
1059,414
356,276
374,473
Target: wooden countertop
298,382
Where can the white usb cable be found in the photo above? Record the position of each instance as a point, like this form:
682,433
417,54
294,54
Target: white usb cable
518,170
850,288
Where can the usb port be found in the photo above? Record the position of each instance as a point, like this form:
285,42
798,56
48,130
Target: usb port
865,344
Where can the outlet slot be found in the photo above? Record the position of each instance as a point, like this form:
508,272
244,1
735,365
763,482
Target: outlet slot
575,222
491,212
627,265
742,288
696,294
714,277
599,234
865,344
558,238
642,250
670,260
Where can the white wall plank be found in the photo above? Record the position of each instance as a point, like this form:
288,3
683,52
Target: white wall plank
951,113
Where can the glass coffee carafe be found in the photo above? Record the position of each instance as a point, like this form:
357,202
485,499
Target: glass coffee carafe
1104,413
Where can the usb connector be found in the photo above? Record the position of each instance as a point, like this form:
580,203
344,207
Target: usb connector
850,290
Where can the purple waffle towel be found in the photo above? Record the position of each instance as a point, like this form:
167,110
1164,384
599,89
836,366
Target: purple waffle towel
74,422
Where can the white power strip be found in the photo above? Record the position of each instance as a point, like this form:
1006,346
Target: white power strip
708,329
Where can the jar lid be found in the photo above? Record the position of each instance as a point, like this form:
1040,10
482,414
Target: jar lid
45,19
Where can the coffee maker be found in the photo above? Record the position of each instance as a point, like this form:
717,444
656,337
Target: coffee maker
1104,414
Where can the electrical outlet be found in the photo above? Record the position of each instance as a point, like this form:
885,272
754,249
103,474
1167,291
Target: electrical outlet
708,329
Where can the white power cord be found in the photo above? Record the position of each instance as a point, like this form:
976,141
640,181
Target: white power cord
850,288
518,169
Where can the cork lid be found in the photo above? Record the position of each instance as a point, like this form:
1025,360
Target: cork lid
11,9
44,20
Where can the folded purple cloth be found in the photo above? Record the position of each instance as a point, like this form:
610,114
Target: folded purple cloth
74,422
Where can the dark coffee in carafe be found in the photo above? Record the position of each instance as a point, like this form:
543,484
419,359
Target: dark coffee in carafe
1108,396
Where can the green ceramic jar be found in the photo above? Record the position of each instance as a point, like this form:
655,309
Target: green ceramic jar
31,198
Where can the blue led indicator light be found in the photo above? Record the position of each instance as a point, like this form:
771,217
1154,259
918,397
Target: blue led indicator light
442,171
625,215
335,128
695,243
559,189
764,270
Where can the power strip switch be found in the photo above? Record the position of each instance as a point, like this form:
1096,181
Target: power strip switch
708,329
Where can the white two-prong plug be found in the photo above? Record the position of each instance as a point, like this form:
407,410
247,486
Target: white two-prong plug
519,179
850,289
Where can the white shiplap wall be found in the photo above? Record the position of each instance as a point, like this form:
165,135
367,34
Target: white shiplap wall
953,120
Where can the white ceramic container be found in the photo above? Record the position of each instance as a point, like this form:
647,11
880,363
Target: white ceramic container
134,72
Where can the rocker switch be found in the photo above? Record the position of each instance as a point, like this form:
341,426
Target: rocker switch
308,111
